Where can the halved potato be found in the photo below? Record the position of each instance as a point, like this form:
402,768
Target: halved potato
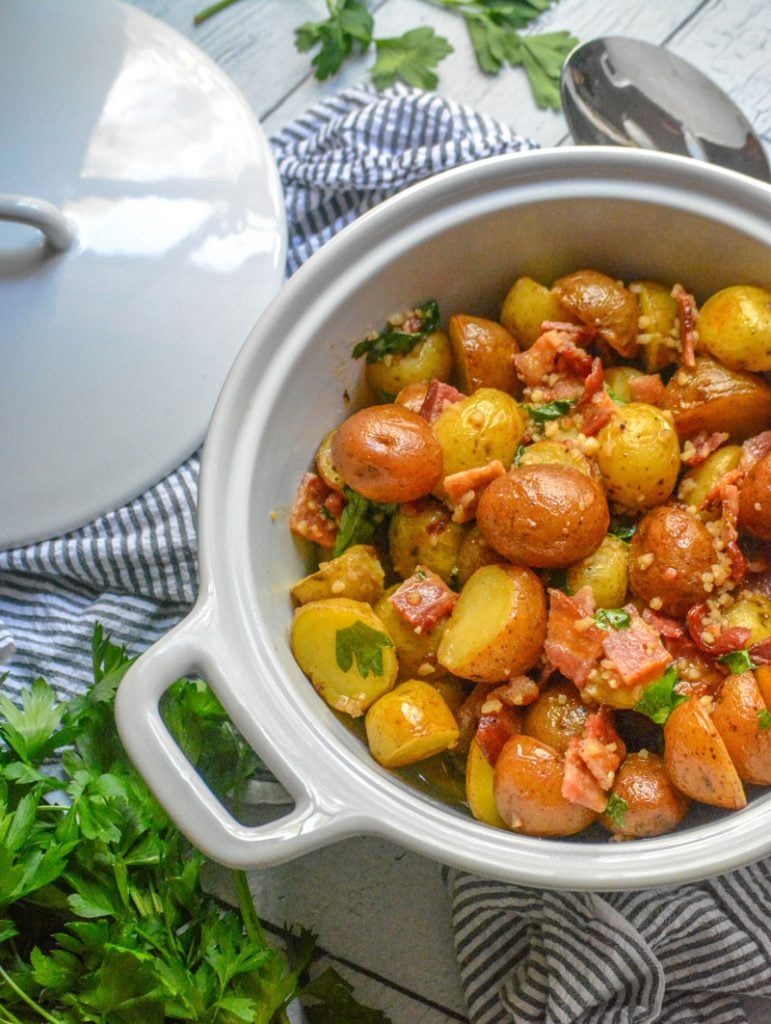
356,574
416,652
738,717
410,723
653,805
498,626
710,397
528,791
480,775
484,354
526,306
697,760
556,716
322,631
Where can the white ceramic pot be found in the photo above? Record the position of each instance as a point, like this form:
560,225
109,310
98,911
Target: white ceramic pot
461,237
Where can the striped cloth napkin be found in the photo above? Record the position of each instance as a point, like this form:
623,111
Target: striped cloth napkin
525,956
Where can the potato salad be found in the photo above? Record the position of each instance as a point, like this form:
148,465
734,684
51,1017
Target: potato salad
541,554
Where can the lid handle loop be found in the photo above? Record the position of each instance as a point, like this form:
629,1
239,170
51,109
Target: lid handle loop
60,232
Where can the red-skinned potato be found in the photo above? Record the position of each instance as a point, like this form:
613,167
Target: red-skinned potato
528,791
711,398
755,500
484,354
556,716
697,760
544,515
601,302
653,805
388,453
739,718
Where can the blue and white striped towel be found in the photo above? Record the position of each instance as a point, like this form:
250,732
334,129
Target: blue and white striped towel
684,956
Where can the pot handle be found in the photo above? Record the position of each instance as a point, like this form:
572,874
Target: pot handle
179,788
60,232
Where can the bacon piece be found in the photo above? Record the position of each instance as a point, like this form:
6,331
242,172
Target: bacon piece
597,413
637,652
576,332
648,387
761,652
729,533
663,624
496,726
573,644
315,511
423,599
579,785
704,444
555,349
438,397
754,449
595,380
576,360
686,316
600,747
518,692
464,489
709,638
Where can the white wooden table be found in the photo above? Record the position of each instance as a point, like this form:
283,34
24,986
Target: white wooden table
381,912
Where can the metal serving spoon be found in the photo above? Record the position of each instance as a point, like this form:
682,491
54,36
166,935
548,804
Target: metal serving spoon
624,92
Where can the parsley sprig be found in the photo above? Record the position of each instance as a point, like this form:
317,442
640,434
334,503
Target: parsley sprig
393,341
494,28
359,520
613,618
550,410
660,699
616,809
363,644
737,661
102,913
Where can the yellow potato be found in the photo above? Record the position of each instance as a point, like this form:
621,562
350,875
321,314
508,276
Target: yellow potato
658,324
416,652
485,426
431,358
424,534
617,381
738,717
699,481
528,791
605,572
697,760
639,456
473,553
479,787
484,354
324,465
556,452
526,306
408,724
324,632
753,612
357,574
735,327
712,398
653,805
498,626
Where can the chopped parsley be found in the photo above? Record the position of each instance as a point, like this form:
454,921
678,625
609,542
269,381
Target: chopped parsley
616,809
359,519
363,643
613,618
737,661
558,580
519,453
392,341
551,410
622,529
764,719
660,699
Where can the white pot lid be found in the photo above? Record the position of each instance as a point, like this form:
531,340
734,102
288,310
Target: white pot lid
165,242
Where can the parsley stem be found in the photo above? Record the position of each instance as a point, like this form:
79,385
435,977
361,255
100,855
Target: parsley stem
27,999
215,8
246,903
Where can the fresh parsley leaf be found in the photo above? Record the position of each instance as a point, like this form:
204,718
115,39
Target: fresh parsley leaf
622,529
542,57
613,618
737,661
410,58
359,520
550,410
616,809
659,699
392,341
363,643
764,719
347,30
519,453
558,579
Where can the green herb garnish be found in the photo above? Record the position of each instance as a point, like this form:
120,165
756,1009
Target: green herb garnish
410,58
737,661
521,449
363,643
558,579
616,809
347,31
359,520
622,529
550,410
392,341
764,719
103,917
659,699
613,618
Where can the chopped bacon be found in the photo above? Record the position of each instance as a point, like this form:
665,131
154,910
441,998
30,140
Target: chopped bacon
761,652
715,494
637,652
518,692
754,449
573,640
579,785
315,511
663,624
729,533
686,316
647,387
438,397
704,444
470,712
712,640
464,489
496,726
577,360
601,748
423,599
554,350
597,413
595,380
